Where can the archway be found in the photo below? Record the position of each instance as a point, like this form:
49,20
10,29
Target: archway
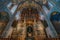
29,33
4,19
55,19
29,30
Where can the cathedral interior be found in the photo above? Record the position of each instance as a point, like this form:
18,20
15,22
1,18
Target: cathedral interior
30,19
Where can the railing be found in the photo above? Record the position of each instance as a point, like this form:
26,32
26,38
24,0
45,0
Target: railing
37,39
